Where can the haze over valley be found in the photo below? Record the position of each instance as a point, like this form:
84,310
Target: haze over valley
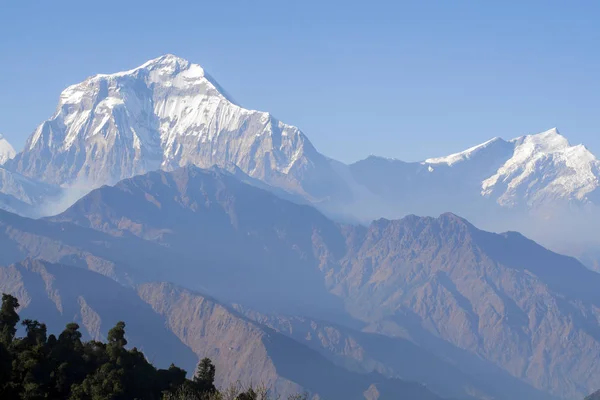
169,232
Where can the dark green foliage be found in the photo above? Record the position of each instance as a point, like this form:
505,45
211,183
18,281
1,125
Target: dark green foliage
38,366
8,318
204,379
250,394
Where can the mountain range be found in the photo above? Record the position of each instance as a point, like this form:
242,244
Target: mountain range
229,234
497,306
168,113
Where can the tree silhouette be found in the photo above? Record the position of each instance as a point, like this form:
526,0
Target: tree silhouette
41,366
8,319
205,376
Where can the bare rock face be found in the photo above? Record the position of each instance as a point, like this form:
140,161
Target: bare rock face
232,342
57,294
249,352
496,296
172,324
367,350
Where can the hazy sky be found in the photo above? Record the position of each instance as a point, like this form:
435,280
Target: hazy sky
403,79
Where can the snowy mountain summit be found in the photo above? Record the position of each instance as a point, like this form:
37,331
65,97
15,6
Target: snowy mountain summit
7,152
543,168
165,114
532,169
169,113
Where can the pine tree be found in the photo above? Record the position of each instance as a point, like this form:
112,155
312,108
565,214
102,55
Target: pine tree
116,336
205,376
8,319
42,366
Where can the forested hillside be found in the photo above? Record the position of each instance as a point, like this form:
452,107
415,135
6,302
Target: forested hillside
42,366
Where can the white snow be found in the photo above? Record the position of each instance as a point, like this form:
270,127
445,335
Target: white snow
463,155
72,95
110,102
7,152
167,112
544,165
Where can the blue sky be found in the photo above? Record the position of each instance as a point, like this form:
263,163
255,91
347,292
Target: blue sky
403,79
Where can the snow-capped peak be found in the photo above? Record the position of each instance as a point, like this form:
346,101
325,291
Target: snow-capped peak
544,166
166,61
166,64
529,170
7,152
165,113
464,155
547,141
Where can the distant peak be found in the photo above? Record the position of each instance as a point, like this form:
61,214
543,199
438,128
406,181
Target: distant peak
467,154
7,152
167,60
547,134
451,217
165,66
546,141
550,133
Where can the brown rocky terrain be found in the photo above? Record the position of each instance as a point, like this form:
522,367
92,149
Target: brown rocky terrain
171,324
486,303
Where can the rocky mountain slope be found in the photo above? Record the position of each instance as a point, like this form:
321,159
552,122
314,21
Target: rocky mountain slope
191,211
181,327
437,281
366,351
115,257
58,294
248,351
502,297
231,253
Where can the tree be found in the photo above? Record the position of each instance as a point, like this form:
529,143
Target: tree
69,366
36,332
70,336
249,394
170,379
7,391
116,336
205,376
8,318
41,366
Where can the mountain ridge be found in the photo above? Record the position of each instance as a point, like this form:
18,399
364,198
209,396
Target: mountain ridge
7,152
165,114
451,288
169,112
467,287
